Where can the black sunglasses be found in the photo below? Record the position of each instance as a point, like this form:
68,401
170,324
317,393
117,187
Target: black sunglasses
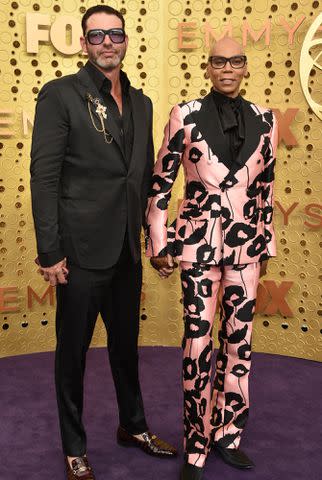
237,61
97,36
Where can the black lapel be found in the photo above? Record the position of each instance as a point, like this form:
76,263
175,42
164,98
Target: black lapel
254,128
140,124
208,123
88,86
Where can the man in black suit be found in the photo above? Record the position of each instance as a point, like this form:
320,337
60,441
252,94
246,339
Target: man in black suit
91,163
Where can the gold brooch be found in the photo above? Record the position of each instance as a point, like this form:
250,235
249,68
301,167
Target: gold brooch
101,113
101,110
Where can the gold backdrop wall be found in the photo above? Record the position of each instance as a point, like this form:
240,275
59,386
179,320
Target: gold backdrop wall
161,61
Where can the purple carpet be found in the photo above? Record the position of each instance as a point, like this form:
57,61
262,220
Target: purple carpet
283,434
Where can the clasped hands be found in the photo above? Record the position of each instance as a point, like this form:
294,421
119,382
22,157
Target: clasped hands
164,265
55,274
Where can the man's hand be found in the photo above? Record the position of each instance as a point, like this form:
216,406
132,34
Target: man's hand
263,269
55,274
164,265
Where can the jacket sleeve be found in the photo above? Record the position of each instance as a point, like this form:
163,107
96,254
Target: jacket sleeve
49,140
164,174
268,177
147,176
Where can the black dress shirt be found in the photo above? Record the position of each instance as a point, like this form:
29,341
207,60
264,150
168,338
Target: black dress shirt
124,121
230,111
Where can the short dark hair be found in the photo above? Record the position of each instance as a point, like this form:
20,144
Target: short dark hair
101,9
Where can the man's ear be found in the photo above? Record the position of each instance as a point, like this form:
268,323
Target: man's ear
83,44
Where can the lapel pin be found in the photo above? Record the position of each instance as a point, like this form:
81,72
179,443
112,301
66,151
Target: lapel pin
101,113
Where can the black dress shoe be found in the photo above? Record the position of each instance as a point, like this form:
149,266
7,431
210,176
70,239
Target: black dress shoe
150,444
191,472
234,457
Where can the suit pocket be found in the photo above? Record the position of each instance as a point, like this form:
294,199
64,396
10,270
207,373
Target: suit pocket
195,231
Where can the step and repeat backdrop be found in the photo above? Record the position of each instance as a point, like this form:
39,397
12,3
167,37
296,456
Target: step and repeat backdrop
167,57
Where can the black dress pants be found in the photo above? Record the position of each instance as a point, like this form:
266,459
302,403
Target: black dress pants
115,294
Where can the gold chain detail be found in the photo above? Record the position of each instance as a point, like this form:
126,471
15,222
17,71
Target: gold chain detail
107,136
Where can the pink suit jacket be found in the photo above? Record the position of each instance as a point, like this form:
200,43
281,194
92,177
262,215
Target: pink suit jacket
227,212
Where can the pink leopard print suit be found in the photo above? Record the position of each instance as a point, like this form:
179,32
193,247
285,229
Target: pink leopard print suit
222,232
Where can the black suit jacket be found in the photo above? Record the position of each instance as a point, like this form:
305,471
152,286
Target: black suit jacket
84,197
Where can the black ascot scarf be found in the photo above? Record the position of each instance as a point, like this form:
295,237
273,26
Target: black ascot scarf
231,117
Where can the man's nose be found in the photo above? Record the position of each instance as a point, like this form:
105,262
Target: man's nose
107,41
227,68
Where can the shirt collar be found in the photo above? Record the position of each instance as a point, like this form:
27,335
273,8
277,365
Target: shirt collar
221,99
102,82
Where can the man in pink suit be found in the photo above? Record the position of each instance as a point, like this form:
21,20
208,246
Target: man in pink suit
223,237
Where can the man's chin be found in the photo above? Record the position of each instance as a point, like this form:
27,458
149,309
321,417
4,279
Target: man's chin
107,66
228,90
